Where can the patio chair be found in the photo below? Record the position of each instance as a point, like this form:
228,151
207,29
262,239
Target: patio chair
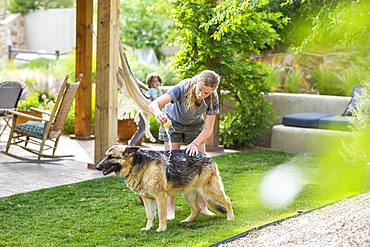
44,132
10,93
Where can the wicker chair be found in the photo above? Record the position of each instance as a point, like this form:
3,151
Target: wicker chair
10,93
44,132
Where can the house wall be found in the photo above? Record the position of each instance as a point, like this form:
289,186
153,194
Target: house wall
51,30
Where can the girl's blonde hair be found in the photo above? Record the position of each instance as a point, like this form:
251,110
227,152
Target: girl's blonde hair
150,77
209,78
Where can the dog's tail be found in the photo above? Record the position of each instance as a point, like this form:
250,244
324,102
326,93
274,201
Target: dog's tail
216,206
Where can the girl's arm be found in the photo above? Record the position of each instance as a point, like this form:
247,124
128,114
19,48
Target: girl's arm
156,105
203,136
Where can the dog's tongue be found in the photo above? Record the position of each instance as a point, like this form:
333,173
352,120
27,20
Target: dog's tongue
110,170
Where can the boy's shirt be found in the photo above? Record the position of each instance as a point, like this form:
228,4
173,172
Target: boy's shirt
154,92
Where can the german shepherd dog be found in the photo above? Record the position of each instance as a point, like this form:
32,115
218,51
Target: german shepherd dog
156,174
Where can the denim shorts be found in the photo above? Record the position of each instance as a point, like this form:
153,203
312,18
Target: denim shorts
179,133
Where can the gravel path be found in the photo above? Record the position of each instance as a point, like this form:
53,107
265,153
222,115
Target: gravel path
346,223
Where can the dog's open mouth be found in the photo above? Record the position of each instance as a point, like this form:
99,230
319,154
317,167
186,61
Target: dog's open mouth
110,170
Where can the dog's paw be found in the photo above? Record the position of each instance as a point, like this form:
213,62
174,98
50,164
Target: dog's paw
207,212
161,229
185,221
231,217
146,228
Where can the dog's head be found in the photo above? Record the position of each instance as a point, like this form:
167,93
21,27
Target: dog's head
118,159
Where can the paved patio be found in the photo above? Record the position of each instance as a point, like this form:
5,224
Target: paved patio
20,176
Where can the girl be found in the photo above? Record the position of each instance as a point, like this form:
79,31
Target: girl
188,101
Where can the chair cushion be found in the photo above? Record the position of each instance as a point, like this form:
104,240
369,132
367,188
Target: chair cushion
335,123
31,128
353,104
306,119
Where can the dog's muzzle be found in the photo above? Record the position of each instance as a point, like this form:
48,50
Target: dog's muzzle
108,168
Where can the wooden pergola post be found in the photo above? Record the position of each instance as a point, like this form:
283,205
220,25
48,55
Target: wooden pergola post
106,76
84,35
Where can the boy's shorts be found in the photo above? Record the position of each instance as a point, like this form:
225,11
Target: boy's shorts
181,133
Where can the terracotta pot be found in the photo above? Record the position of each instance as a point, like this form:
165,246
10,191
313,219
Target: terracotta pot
21,119
126,129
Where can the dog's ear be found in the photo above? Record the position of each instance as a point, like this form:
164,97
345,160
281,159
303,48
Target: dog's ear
131,149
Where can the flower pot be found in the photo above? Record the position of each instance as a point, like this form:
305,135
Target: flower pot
126,129
20,119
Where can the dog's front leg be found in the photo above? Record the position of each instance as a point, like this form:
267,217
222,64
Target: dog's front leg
150,206
162,211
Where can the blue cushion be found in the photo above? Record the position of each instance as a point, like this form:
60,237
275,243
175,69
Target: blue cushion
306,119
31,128
335,123
353,104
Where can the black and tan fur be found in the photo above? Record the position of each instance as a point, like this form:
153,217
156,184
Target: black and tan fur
153,176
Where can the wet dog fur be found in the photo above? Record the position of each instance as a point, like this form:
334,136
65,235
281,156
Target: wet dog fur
153,176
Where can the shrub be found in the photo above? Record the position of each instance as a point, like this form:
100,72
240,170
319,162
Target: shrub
274,79
32,100
251,114
292,82
25,6
69,126
328,82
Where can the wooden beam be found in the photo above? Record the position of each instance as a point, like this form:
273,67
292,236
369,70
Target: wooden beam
106,76
84,21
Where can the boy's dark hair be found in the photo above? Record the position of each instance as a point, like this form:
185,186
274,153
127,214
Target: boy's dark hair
150,77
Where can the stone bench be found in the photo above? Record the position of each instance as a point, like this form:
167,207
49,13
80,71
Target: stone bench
303,140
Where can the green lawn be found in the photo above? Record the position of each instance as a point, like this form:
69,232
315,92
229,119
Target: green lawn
103,212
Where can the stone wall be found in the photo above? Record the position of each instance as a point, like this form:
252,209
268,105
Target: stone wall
12,32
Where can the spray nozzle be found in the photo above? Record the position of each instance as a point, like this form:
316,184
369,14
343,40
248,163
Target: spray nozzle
167,125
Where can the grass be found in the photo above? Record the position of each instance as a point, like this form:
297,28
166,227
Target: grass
104,212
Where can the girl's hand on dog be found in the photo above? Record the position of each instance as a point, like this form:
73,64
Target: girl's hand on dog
192,149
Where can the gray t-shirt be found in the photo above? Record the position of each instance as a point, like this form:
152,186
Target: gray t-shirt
177,112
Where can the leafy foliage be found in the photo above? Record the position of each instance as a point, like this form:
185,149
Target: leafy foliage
223,36
141,25
251,114
301,15
25,6
164,69
323,24
337,26
328,82
39,100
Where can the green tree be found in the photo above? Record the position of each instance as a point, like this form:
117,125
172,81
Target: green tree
141,25
222,36
301,14
344,24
